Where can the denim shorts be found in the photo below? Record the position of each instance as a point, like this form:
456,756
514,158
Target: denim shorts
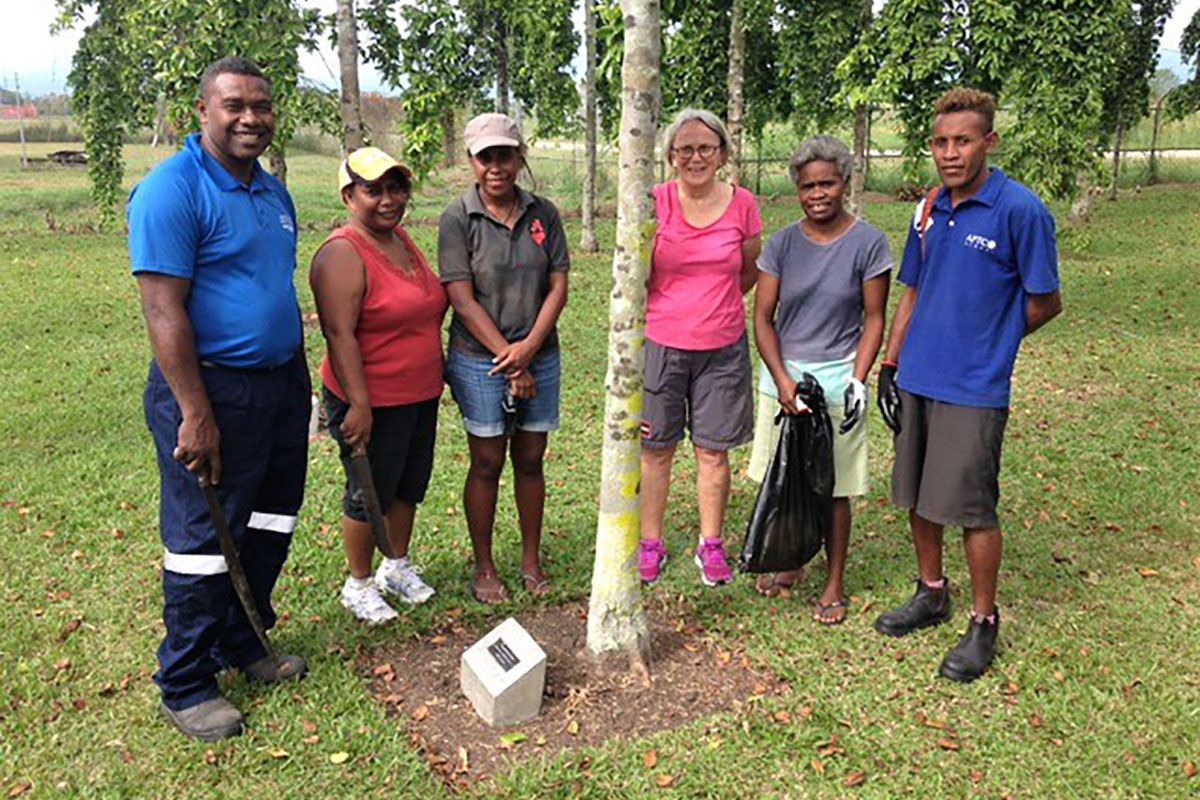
480,396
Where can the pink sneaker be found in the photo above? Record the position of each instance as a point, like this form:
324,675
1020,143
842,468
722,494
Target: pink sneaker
651,555
710,558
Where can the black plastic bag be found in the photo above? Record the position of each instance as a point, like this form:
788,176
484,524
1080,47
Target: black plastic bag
793,511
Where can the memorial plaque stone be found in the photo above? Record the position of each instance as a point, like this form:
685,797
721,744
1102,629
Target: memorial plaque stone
503,675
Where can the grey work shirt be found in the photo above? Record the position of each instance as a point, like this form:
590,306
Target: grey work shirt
510,269
820,288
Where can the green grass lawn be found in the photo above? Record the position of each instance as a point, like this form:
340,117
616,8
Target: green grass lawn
1096,693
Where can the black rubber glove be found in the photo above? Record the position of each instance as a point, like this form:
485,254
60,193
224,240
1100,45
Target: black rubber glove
889,397
854,401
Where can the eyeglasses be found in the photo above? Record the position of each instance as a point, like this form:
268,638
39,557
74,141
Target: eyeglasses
706,151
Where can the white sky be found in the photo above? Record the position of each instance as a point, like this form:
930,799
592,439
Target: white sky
43,61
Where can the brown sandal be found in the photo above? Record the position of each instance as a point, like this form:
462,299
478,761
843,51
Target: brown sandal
769,585
489,597
534,585
822,609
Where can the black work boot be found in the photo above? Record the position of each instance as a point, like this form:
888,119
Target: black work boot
284,668
925,608
970,658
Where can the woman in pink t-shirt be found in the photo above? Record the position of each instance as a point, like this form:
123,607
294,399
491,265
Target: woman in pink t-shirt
697,356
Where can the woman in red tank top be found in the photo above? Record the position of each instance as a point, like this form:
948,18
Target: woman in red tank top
381,312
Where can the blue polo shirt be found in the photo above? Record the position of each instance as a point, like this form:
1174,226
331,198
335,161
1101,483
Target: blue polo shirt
236,243
982,259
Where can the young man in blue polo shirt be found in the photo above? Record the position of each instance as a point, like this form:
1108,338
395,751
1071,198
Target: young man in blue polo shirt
212,242
980,271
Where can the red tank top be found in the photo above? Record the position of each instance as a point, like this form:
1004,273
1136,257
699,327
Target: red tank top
399,326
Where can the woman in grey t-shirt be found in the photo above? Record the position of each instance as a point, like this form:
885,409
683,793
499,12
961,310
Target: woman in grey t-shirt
819,307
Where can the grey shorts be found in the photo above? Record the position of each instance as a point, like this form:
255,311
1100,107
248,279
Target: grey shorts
706,391
948,461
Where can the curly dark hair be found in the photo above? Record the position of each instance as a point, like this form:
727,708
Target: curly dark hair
967,99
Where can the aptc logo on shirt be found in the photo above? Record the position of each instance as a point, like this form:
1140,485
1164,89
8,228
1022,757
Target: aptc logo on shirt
285,222
980,242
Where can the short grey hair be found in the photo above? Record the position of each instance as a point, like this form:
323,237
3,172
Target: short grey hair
820,148
706,118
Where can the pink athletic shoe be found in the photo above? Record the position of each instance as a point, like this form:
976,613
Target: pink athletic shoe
710,558
651,555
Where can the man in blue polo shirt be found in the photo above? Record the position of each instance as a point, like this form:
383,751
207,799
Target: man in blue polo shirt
981,272
212,242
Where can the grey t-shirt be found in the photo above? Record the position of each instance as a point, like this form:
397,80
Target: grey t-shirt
819,317
510,269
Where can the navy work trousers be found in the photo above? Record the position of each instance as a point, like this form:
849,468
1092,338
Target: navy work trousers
262,416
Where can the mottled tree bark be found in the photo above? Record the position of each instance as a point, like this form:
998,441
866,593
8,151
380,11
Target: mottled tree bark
737,80
277,163
1118,136
616,618
502,90
1081,207
347,39
587,241
449,138
858,165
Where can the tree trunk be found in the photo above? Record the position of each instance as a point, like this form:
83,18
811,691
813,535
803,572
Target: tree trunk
616,618
1153,178
501,65
737,79
858,165
587,241
277,160
1081,207
449,138
347,39
1116,160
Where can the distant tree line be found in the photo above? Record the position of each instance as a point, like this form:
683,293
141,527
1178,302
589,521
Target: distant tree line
1076,73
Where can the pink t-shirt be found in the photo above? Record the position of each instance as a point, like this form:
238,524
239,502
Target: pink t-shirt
694,297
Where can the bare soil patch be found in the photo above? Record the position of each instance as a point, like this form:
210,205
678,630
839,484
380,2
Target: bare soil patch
693,674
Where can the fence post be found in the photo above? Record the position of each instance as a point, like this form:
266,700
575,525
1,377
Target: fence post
1153,177
758,166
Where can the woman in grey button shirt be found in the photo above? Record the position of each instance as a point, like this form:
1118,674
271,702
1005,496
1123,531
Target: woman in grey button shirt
819,308
502,255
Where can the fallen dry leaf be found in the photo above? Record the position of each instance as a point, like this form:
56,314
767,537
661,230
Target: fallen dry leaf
314,739
19,788
976,775
340,757
1196,562
382,669
1010,688
439,639
309,726
1189,769
62,663
573,727
783,716
817,766
930,722
650,759
664,780
464,760
421,713
68,629
1036,720
277,752
1146,572
855,778
946,743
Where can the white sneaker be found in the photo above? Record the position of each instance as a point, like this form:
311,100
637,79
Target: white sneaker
365,603
397,576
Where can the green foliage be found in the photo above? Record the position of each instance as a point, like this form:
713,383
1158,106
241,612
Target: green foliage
818,35
1185,99
445,54
915,51
1057,90
136,51
1127,96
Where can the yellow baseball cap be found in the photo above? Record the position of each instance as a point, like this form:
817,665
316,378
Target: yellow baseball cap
368,164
